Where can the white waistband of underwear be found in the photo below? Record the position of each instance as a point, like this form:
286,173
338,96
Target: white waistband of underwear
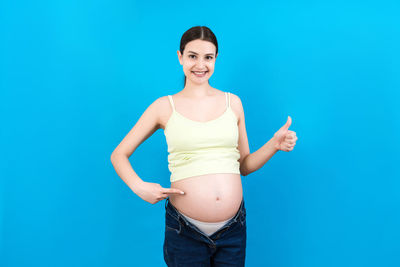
196,222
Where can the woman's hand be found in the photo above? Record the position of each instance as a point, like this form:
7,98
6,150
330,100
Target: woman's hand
285,139
153,192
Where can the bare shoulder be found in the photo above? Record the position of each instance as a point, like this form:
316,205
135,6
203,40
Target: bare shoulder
236,105
153,115
162,101
161,104
155,108
164,110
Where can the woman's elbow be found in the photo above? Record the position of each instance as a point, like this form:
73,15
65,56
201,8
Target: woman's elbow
243,172
114,155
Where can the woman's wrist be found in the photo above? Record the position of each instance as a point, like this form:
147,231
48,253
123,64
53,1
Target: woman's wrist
275,143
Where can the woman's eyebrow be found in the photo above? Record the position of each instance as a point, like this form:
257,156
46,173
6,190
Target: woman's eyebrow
197,54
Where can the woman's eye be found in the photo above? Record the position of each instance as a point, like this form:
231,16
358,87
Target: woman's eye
208,57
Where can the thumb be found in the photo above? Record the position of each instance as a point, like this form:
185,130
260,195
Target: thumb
287,124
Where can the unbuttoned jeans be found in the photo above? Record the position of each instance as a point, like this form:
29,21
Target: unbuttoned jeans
186,245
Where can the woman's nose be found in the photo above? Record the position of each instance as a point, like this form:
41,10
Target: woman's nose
200,63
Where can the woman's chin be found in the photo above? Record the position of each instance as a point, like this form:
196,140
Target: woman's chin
199,81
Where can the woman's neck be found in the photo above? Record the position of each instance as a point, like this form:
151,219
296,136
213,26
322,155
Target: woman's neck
191,90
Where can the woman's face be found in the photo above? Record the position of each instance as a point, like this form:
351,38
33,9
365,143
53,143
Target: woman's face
198,56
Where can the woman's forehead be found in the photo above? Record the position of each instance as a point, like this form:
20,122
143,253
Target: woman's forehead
200,47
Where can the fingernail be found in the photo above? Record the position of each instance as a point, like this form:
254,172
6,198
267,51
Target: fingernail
182,193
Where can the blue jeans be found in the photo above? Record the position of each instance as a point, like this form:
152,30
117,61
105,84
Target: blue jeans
186,245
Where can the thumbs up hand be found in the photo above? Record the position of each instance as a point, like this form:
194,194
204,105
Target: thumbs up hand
285,139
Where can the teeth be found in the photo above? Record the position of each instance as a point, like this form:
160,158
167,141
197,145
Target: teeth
199,72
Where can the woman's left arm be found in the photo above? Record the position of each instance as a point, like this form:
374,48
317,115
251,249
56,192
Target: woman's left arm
283,139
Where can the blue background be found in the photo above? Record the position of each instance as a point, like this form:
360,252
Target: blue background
75,76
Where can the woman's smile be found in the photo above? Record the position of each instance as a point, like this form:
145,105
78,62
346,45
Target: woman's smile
199,73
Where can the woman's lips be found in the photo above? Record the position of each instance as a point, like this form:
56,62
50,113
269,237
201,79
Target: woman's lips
199,73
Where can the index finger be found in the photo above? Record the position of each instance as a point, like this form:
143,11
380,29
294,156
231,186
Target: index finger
172,191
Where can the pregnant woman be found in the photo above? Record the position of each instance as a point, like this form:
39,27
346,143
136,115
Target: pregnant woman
205,215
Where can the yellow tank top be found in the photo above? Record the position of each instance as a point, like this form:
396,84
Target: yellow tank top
198,148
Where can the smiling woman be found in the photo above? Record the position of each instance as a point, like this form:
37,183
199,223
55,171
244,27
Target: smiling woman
207,50
205,215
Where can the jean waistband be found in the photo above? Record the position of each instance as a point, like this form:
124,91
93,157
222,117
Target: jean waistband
176,214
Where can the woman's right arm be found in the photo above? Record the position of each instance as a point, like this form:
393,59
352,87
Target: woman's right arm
147,124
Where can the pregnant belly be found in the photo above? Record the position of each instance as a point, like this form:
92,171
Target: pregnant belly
209,198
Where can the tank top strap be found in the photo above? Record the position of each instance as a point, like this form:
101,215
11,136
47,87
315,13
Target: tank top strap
228,95
171,101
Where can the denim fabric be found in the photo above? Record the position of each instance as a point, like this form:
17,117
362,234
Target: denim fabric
186,245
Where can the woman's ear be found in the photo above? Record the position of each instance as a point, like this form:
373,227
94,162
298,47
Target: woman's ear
179,57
